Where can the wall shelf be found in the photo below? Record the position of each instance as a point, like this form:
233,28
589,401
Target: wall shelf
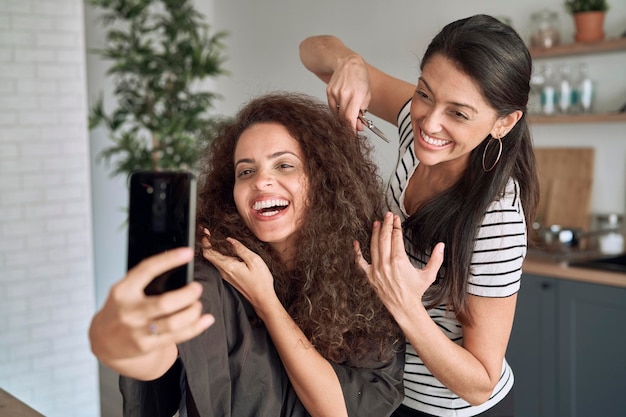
608,45
573,49
578,118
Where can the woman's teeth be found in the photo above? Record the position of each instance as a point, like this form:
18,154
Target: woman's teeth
270,207
434,142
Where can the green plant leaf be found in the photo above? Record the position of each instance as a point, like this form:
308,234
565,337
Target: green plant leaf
159,51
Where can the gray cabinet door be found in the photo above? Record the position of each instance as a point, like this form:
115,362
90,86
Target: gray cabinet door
592,350
532,350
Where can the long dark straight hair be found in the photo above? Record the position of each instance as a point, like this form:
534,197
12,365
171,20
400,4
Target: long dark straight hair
496,58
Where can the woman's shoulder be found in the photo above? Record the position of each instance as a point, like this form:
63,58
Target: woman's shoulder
508,201
212,283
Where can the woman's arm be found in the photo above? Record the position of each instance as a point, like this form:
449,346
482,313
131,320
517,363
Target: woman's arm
353,84
471,370
312,376
120,333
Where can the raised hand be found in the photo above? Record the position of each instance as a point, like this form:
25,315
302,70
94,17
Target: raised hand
348,90
132,329
397,282
250,275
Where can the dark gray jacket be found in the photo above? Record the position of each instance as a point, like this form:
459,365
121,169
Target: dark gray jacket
233,369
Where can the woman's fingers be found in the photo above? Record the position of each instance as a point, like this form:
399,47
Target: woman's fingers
134,309
360,260
178,326
172,301
348,91
251,259
194,329
144,272
374,243
386,230
226,265
435,261
384,238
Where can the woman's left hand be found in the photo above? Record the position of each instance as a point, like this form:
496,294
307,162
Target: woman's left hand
250,275
397,282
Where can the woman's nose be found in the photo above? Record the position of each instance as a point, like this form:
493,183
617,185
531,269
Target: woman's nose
263,180
431,122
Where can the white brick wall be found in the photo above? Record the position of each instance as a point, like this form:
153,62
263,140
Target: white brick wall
46,261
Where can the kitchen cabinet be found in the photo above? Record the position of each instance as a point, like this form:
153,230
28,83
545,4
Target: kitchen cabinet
567,348
573,49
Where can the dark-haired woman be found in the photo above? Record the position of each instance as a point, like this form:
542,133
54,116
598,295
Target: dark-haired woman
465,176
296,328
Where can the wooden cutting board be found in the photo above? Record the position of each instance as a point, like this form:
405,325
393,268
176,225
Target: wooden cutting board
565,180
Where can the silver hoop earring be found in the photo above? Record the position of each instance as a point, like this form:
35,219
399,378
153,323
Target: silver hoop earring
497,158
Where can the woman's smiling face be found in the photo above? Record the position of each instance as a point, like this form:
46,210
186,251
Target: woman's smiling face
450,115
271,185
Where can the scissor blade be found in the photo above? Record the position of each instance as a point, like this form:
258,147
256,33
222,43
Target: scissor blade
379,133
371,126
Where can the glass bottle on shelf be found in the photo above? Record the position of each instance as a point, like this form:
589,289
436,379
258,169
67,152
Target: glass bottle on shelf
536,86
564,89
548,92
584,89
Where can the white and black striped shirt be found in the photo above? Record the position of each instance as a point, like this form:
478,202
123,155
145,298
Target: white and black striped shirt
496,269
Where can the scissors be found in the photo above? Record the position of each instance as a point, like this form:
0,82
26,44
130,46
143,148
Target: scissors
371,126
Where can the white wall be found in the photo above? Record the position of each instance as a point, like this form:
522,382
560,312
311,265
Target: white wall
263,56
392,34
46,271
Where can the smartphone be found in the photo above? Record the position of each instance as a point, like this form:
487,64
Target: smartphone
161,217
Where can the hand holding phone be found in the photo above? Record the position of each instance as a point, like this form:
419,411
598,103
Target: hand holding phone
161,216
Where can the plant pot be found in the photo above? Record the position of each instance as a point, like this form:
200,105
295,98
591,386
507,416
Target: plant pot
589,26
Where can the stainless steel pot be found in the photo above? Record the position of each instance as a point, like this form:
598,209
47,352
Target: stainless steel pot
558,239
563,236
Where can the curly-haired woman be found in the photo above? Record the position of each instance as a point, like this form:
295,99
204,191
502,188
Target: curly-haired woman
296,329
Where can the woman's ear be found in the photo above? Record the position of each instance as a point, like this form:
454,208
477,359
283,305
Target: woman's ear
504,124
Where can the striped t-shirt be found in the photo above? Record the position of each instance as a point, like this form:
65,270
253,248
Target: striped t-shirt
496,269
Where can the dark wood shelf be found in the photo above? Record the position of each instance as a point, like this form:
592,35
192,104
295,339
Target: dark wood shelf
608,45
578,118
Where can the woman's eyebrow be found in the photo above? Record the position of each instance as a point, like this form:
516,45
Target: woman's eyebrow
452,102
270,156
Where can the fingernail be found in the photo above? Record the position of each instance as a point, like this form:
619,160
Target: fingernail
207,320
198,287
442,246
388,214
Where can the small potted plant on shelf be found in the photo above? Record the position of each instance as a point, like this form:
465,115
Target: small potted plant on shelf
588,18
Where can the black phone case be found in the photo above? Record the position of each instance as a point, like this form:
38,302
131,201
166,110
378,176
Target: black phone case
161,216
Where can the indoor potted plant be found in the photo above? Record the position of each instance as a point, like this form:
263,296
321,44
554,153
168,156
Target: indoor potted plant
161,50
588,18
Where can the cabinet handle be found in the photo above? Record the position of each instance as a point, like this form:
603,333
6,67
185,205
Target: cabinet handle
546,285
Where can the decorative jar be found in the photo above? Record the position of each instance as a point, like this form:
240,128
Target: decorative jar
544,29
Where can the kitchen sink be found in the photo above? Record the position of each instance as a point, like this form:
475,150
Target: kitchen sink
612,263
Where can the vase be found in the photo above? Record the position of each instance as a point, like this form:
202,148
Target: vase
589,26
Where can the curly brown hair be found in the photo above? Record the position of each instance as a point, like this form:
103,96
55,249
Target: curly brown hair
326,292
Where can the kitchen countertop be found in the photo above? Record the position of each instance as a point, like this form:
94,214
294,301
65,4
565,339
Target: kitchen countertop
538,265
12,407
